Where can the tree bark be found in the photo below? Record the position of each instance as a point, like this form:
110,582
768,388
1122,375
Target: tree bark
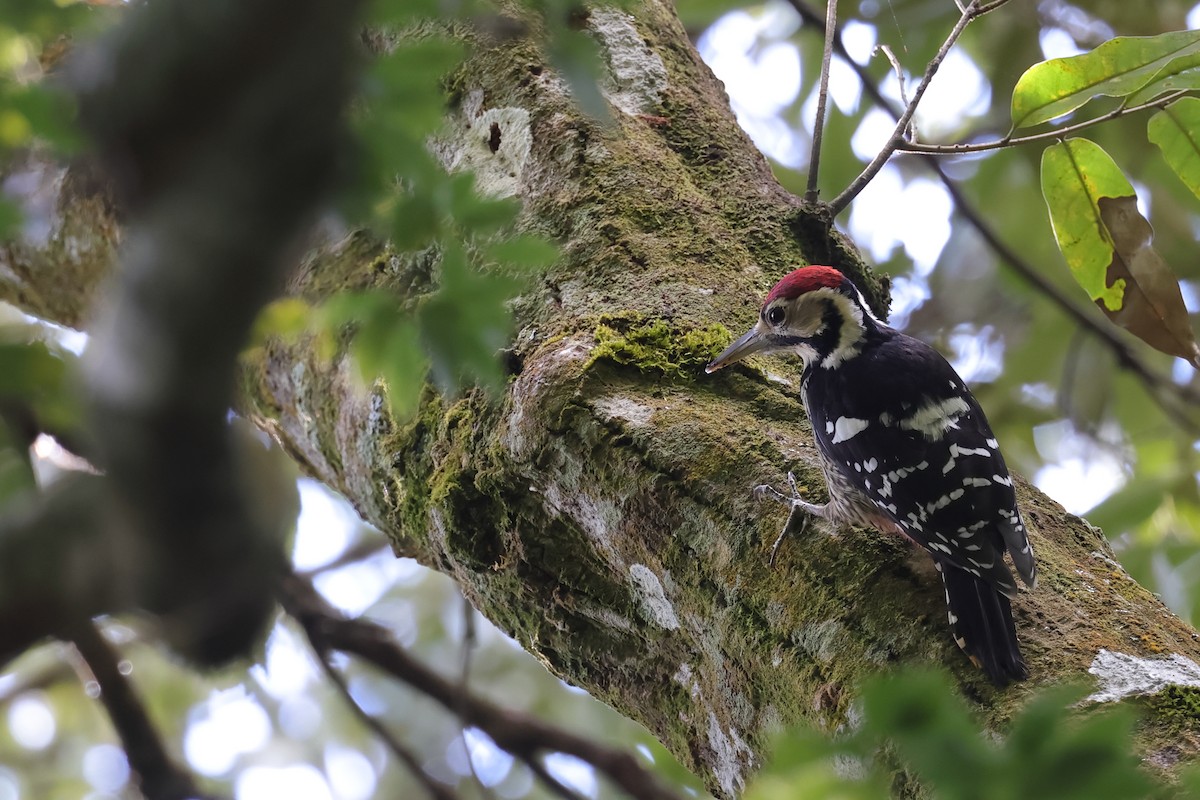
599,509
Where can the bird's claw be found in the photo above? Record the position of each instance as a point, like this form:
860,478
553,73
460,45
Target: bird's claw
797,506
767,490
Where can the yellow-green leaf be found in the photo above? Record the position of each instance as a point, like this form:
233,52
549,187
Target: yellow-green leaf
287,318
1108,245
1075,175
1182,73
1117,68
1176,131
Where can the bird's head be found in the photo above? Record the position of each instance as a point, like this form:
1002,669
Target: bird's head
814,312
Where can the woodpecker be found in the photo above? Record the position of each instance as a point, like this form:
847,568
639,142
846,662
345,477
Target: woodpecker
905,449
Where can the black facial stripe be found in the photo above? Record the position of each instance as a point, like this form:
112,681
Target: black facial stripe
826,340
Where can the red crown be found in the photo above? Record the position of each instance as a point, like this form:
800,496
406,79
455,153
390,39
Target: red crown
805,279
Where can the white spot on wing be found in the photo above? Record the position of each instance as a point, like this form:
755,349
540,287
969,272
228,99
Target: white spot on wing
847,428
935,418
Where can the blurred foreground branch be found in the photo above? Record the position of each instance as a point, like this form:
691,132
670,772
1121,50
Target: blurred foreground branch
524,736
158,777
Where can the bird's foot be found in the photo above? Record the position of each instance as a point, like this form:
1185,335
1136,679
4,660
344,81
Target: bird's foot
798,517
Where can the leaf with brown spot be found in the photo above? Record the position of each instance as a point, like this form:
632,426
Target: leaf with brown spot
1153,308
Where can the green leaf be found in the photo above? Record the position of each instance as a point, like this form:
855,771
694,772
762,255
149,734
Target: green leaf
466,323
415,222
404,367
1131,505
525,252
10,219
386,344
931,729
1108,245
1182,73
30,368
577,56
478,214
699,14
1116,68
286,318
49,115
1176,132
1075,175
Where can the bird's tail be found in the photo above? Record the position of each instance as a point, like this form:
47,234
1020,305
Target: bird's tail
982,621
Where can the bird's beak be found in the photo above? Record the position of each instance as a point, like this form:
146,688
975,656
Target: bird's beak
752,342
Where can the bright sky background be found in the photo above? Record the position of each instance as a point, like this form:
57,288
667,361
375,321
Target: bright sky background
761,71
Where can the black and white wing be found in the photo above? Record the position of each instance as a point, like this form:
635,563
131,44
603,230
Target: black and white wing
918,446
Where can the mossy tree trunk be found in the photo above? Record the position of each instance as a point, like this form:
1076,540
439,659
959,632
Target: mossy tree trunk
599,510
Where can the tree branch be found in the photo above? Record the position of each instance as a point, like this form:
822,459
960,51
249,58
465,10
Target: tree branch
814,160
522,735
432,786
858,184
159,777
1012,141
187,125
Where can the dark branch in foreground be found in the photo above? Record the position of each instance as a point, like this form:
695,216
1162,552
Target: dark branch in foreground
159,777
435,789
1172,398
522,735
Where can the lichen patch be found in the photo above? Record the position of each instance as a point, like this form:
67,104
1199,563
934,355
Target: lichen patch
494,144
651,598
637,76
819,640
623,410
1121,675
729,751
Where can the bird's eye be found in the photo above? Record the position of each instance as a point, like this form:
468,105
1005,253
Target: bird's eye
775,315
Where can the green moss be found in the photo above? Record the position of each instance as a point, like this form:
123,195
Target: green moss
654,346
1177,707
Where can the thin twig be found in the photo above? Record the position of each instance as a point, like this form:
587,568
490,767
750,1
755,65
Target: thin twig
432,786
987,8
858,184
1012,141
523,735
159,777
464,683
814,161
897,69
366,548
